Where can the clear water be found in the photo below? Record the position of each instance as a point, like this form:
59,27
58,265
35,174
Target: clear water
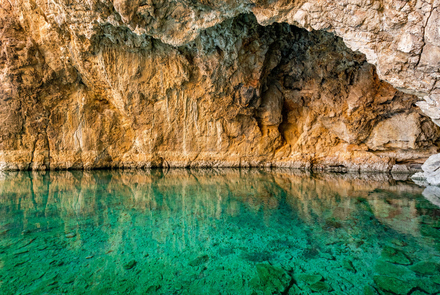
216,232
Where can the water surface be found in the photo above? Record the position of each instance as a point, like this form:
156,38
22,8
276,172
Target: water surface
216,232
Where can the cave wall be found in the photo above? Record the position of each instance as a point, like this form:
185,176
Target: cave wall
400,37
100,84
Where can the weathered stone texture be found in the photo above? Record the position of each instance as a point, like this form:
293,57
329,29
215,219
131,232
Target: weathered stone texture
94,84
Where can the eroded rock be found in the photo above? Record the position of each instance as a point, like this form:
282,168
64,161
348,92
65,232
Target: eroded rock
102,84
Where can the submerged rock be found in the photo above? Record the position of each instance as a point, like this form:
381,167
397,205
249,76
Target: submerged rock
396,256
199,260
368,290
436,279
130,264
348,265
426,268
427,285
320,287
393,285
270,279
185,216
309,279
391,269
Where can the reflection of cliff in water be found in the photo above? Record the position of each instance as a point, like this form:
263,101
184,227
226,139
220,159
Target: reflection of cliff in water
191,229
322,198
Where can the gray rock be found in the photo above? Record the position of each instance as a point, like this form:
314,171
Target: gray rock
419,178
400,176
432,194
398,168
431,169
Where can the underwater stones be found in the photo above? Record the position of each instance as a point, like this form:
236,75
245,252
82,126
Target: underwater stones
368,290
58,263
130,264
331,223
19,252
152,289
270,279
394,285
199,260
26,243
225,251
42,247
259,256
294,290
155,206
326,255
436,279
427,285
310,252
426,268
313,282
386,268
320,287
308,278
394,255
430,231
399,243
347,263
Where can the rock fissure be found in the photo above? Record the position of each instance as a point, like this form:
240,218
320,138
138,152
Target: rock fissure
423,38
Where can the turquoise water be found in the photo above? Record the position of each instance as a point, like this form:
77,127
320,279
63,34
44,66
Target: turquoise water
216,232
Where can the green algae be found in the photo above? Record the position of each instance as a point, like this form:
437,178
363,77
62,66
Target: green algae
215,232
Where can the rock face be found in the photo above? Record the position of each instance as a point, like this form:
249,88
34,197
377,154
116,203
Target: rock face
430,174
431,169
96,84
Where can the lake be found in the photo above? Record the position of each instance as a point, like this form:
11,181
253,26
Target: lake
212,231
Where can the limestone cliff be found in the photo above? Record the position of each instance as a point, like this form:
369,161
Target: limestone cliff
96,84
